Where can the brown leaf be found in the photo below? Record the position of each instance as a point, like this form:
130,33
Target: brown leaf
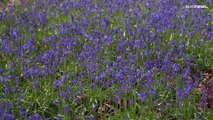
205,84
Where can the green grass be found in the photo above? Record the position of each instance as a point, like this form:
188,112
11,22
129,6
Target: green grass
41,102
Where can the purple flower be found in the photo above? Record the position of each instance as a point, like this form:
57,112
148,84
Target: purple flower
176,67
67,110
91,117
2,111
186,73
82,85
6,43
148,53
1,71
69,90
30,72
17,80
137,44
108,40
93,86
35,117
189,86
57,84
148,75
148,64
103,75
8,90
9,117
152,92
23,113
120,75
119,58
166,59
8,105
64,77
165,69
76,81
36,85
138,72
142,96
3,80
196,76
116,98
206,105
130,103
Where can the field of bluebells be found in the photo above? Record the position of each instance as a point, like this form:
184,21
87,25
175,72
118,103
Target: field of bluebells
106,59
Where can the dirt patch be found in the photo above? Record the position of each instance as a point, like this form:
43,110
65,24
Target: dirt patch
206,89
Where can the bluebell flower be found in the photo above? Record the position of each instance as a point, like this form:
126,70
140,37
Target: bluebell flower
64,77
120,47
189,86
148,75
152,92
91,67
91,117
180,93
138,72
9,117
69,91
36,85
149,82
119,58
116,98
1,71
142,96
205,105
16,90
2,112
166,59
130,103
120,75
8,105
137,43
67,110
186,73
103,75
35,117
204,94
42,18
18,80
57,84
176,67
30,72
93,86
7,45
109,70
8,90
23,113
3,80
82,86
76,81
196,76
148,64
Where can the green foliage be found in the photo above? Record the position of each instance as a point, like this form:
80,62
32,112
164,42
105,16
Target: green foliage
42,101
